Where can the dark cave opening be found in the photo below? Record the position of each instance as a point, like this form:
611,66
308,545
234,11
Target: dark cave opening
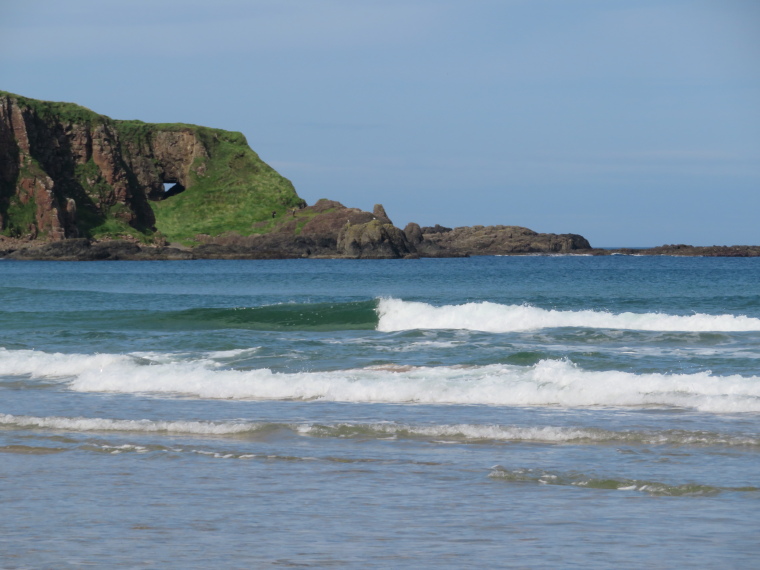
172,188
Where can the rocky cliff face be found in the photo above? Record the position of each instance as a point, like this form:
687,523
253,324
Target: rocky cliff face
66,171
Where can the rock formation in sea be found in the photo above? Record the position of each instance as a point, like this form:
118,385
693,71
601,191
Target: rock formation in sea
75,184
500,240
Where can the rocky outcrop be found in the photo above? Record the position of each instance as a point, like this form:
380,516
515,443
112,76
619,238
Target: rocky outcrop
682,250
326,229
426,247
501,240
374,239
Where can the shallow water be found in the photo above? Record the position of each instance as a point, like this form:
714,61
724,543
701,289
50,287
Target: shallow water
492,411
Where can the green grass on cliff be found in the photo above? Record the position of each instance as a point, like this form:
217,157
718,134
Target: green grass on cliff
56,111
20,218
237,191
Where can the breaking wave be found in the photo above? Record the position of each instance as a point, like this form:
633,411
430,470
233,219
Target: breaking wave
546,383
389,315
396,315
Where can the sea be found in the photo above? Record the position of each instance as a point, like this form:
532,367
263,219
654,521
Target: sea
484,412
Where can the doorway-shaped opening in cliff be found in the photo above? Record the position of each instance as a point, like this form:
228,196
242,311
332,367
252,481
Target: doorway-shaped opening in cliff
172,188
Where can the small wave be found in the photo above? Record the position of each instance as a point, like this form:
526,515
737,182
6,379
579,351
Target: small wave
469,433
456,433
30,450
142,426
656,488
397,315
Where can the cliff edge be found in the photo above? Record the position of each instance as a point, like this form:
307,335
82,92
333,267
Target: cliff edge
68,172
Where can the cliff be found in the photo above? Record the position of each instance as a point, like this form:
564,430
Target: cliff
75,184
68,172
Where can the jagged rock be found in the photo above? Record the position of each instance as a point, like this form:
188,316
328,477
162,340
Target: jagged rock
375,240
379,212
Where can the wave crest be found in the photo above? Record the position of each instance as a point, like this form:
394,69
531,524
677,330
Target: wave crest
546,383
397,315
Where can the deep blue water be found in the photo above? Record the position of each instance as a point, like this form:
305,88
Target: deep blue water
490,411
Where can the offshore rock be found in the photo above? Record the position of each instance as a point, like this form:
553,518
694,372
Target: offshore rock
682,250
502,240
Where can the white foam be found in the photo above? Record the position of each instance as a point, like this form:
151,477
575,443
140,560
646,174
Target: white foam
54,365
146,426
474,432
453,433
396,315
547,383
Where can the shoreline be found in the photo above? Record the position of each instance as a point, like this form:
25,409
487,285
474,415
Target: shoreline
82,249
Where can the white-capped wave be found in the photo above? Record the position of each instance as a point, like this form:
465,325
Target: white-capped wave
40,364
547,383
396,315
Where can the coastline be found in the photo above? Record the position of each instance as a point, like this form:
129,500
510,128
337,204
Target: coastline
83,249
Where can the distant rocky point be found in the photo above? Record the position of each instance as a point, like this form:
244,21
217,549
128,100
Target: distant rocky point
77,185
682,250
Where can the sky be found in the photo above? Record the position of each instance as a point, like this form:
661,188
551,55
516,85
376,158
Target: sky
632,123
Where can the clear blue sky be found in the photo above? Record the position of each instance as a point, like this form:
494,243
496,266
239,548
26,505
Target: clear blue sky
629,122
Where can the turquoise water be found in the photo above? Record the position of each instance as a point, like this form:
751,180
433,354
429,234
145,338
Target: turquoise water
491,411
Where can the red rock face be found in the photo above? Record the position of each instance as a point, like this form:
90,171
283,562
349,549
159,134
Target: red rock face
105,154
17,126
68,167
166,156
48,215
